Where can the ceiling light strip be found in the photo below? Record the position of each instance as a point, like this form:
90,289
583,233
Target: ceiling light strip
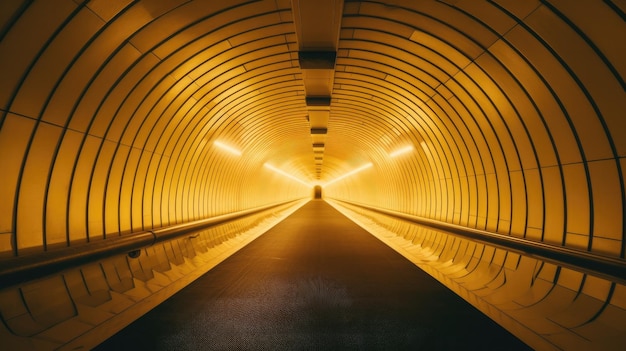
279,171
228,148
354,171
401,151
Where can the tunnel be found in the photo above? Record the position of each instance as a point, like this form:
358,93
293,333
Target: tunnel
317,192
143,142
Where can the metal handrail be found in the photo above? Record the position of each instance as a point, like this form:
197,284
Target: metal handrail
610,268
17,270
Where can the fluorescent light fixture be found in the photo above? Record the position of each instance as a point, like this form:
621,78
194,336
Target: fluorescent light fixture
401,151
228,148
354,171
279,171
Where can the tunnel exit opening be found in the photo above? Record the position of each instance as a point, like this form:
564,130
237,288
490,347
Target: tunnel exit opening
317,192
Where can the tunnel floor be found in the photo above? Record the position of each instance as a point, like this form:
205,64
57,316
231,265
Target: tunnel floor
315,281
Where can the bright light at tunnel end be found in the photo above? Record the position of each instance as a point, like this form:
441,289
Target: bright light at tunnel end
228,148
401,151
280,171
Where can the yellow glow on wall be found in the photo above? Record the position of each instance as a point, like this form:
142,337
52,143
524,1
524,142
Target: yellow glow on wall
279,171
401,151
354,171
228,148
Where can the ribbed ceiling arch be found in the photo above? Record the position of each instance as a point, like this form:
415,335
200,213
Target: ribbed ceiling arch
128,120
111,111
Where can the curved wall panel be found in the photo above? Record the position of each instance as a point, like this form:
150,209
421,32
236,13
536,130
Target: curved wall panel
110,113
514,130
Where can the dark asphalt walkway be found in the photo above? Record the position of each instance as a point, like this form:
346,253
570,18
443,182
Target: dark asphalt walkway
316,281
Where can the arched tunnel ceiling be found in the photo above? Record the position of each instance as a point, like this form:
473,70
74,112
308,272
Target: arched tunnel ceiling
125,121
111,110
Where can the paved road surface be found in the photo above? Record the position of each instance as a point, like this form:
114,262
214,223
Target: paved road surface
316,281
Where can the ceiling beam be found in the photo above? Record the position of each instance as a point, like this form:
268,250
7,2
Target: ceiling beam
317,25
